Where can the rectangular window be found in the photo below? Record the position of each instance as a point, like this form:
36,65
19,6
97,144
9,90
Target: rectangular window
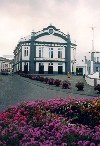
50,52
6,65
41,52
59,52
26,51
97,59
97,68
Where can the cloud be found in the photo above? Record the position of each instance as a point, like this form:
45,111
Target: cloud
19,18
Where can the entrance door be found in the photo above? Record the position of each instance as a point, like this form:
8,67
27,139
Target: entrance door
41,69
26,68
50,69
60,69
79,71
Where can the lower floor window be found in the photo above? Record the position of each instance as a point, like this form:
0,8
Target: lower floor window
97,68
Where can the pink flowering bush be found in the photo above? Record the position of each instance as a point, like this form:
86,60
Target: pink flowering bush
53,122
66,84
57,82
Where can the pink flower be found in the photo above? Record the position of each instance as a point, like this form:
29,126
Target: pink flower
92,144
32,139
64,144
86,143
80,143
22,123
15,135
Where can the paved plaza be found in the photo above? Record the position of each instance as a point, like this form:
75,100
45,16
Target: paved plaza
16,89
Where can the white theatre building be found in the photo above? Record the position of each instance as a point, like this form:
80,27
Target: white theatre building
48,51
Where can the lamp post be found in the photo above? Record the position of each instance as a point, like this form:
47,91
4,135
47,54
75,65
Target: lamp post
74,61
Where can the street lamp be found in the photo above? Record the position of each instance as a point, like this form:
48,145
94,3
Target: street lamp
74,61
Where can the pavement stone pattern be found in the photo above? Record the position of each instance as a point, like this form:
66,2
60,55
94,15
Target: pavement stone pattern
16,89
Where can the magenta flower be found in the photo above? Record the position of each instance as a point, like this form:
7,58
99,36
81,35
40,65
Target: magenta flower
51,122
80,143
92,144
86,143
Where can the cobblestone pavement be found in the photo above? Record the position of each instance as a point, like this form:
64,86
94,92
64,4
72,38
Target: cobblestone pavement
16,89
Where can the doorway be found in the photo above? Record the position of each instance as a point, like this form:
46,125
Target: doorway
50,69
79,71
60,70
26,68
41,68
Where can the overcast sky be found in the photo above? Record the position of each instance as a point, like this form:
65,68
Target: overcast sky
19,17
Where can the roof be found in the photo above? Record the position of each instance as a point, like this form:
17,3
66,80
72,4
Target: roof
27,38
5,59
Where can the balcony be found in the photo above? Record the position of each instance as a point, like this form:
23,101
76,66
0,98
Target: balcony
49,59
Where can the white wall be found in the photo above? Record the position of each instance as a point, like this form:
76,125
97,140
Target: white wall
95,75
89,81
98,81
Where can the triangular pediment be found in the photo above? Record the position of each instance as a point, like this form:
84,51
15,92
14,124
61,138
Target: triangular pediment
51,38
51,34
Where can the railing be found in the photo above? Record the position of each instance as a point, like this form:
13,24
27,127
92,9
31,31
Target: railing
89,80
51,59
92,81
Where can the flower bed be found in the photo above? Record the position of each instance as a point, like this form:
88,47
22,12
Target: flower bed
66,84
97,87
57,82
80,85
54,122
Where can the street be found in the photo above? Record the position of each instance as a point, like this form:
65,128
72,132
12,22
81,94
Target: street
16,89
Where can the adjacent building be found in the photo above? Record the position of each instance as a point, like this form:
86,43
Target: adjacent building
5,65
93,62
48,51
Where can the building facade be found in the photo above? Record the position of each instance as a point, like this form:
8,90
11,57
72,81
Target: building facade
44,52
5,65
93,62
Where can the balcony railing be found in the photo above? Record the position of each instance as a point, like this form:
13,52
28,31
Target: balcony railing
50,59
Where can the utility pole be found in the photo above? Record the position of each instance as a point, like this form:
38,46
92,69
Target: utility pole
92,37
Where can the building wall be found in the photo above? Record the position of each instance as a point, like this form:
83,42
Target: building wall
96,57
0,66
93,62
96,65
